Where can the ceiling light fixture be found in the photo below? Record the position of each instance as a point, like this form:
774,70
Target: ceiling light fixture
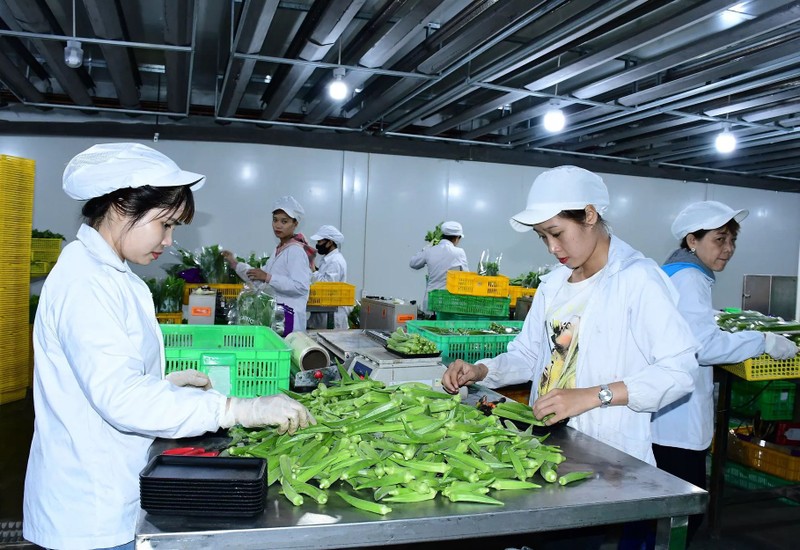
554,119
73,53
337,89
725,141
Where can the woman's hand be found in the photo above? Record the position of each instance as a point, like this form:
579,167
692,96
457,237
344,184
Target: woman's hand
257,274
562,404
460,373
229,257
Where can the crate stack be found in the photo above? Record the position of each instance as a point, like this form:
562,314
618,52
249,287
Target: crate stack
470,342
470,296
16,217
44,255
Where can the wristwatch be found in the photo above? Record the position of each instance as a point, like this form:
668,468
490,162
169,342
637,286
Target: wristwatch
605,395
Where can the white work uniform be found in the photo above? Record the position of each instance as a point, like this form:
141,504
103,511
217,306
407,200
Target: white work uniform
440,259
689,422
100,399
290,280
631,331
332,269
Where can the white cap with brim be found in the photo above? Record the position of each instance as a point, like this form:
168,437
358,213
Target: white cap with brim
704,215
452,229
108,167
289,205
562,188
330,233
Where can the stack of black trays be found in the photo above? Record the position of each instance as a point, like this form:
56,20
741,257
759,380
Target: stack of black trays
204,486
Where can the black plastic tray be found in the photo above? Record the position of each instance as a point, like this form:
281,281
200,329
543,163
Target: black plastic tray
171,468
224,513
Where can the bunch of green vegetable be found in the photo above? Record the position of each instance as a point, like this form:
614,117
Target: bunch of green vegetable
46,234
493,328
410,344
434,236
167,293
354,317
253,260
401,444
213,266
531,279
488,267
735,321
255,307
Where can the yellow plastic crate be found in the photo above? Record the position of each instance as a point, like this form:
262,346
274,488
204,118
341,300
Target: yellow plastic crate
765,367
40,269
228,291
472,284
170,318
766,459
515,292
45,250
332,294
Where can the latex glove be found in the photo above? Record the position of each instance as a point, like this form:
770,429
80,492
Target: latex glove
779,347
190,377
273,410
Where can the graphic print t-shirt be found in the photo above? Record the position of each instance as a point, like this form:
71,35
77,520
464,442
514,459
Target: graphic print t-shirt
563,319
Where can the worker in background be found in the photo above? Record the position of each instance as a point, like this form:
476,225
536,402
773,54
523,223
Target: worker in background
682,431
288,270
440,258
332,269
99,390
603,343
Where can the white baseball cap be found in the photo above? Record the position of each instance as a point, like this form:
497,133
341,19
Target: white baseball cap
704,215
452,229
559,189
328,232
107,167
289,205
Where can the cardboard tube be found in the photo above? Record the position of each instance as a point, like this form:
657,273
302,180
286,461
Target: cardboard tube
306,353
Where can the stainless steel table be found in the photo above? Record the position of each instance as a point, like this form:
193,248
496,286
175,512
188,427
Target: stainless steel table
625,489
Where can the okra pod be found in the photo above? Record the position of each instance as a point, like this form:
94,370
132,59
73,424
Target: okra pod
307,489
512,484
411,496
574,476
291,493
548,472
473,497
361,504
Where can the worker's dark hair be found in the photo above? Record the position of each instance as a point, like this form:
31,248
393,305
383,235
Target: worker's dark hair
451,238
137,202
579,216
732,227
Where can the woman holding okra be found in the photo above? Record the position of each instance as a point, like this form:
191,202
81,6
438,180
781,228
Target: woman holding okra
100,395
603,343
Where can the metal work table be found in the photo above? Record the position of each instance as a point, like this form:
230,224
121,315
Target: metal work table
624,489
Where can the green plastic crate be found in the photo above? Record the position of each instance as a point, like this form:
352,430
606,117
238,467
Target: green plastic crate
485,306
774,399
445,316
470,348
242,361
743,477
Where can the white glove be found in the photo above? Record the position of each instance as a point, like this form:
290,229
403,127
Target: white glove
779,347
190,377
273,410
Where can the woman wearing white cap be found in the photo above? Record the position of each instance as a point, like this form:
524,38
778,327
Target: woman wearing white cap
288,271
441,258
603,342
332,269
100,395
682,431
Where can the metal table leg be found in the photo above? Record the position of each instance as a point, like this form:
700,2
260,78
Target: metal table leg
671,533
719,453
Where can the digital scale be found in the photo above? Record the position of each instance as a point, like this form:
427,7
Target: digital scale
363,353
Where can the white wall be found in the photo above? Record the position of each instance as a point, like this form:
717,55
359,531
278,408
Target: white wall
385,204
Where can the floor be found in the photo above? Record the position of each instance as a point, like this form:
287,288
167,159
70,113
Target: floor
767,524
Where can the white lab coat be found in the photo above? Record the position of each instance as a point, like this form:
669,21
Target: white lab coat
291,279
332,269
631,331
99,400
440,259
688,423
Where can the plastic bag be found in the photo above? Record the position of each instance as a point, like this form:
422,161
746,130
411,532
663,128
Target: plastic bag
254,307
488,267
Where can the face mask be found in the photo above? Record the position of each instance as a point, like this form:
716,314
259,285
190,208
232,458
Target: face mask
322,248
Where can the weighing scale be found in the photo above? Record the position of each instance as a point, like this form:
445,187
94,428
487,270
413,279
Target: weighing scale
364,354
